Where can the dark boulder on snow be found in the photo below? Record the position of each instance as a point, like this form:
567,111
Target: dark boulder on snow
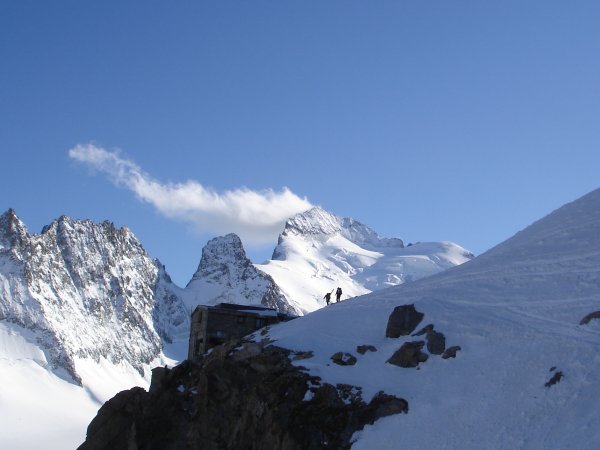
403,320
362,349
236,398
589,317
451,352
409,355
343,359
436,342
555,379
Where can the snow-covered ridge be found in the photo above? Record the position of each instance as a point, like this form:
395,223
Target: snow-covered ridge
319,251
317,221
87,290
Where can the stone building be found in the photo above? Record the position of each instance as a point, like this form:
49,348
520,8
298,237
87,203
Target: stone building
213,325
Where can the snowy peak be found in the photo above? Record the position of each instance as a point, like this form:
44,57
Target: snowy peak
317,222
319,251
226,275
13,232
313,222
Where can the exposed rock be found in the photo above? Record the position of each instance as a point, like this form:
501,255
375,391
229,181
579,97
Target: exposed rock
555,379
343,359
424,330
218,403
349,393
436,343
589,317
362,349
303,355
409,355
451,352
403,321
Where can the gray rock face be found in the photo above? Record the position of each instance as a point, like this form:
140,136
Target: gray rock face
88,291
226,275
253,401
403,321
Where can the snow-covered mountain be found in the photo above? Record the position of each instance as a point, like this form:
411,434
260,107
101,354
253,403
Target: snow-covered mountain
85,309
89,291
226,275
498,353
85,312
319,251
527,375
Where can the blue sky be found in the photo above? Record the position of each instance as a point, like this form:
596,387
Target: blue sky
437,120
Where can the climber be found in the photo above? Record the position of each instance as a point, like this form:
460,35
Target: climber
328,297
338,294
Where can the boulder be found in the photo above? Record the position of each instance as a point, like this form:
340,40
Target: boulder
451,352
362,349
555,379
403,320
436,343
409,355
343,359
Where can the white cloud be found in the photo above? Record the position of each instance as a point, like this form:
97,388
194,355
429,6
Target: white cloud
257,217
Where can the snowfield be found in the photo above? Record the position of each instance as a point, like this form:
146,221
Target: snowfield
515,313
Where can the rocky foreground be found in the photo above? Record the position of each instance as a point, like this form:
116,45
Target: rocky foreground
242,395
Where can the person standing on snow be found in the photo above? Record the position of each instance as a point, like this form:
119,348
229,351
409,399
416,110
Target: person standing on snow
338,294
327,298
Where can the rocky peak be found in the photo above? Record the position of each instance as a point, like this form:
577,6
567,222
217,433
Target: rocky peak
13,232
226,275
90,290
220,256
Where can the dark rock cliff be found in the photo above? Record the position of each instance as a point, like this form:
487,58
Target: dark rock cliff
240,396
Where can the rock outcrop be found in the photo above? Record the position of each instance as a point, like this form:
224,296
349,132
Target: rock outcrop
237,398
409,355
403,320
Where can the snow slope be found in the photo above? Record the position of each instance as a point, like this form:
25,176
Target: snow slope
515,312
319,251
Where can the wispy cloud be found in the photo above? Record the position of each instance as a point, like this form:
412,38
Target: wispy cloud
256,216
